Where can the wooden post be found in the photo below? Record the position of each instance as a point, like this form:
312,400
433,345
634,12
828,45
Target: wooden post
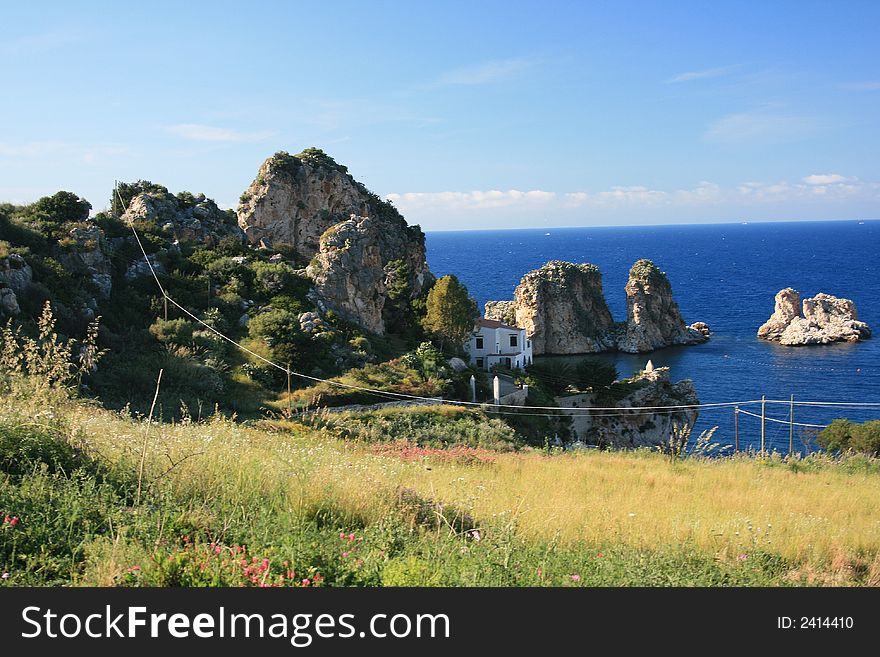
763,406
289,407
791,427
166,308
736,429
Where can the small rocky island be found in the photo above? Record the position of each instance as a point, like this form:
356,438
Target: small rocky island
825,319
562,307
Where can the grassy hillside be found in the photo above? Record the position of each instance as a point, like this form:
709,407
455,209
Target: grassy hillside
100,498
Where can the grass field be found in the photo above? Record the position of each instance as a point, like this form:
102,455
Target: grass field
221,503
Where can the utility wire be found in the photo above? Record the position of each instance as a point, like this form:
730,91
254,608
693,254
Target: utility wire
771,419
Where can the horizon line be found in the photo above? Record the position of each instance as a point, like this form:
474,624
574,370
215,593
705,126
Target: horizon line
658,225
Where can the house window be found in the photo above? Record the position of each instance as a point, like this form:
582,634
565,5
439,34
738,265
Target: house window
479,342
514,340
480,363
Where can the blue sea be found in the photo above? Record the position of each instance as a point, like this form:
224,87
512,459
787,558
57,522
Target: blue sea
725,275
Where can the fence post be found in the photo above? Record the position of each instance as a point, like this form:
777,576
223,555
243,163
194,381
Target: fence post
473,389
791,427
763,405
289,407
496,390
736,429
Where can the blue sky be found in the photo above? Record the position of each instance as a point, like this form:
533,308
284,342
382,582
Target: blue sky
466,115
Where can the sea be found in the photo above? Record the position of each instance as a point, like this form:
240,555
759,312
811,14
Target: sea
727,276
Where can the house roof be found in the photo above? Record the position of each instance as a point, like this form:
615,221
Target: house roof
494,324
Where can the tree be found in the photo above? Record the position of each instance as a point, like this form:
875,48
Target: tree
836,436
451,312
594,373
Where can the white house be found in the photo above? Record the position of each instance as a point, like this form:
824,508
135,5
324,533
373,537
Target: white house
496,343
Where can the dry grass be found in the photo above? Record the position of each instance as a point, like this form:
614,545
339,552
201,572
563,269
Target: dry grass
827,522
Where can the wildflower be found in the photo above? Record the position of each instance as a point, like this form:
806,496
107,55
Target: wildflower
134,569
345,555
5,575
342,536
599,555
306,582
575,578
351,537
217,549
265,565
743,557
13,521
540,572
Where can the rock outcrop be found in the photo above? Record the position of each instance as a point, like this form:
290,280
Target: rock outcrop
653,318
366,262
562,309
15,273
200,221
295,198
501,311
86,253
787,308
631,426
825,319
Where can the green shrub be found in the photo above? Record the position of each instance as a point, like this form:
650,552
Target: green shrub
172,331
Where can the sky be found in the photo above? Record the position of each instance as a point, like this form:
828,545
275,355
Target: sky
464,114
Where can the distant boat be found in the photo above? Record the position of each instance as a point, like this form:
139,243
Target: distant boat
861,223
549,233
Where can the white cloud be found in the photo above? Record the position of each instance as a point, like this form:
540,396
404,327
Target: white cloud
484,73
199,132
474,200
700,75
825,179
816,187
759,126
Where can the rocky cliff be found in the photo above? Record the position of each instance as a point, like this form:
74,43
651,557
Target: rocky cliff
366,262
825,319
562,308
634,428
653,318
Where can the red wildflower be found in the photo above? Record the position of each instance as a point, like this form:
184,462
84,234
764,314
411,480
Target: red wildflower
13,521
265,566
306,582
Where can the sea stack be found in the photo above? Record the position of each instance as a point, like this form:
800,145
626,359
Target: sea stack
826,319
653,318
562,309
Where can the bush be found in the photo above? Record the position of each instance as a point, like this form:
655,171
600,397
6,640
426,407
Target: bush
177,332
272,277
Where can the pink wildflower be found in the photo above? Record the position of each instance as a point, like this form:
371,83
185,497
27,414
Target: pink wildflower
575,578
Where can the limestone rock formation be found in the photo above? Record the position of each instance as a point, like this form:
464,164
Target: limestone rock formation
15,273
635,427
561,307
653,318
87,254
501,311
787,307
366,262
8,303
295,198
825,319
202,222
356,261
